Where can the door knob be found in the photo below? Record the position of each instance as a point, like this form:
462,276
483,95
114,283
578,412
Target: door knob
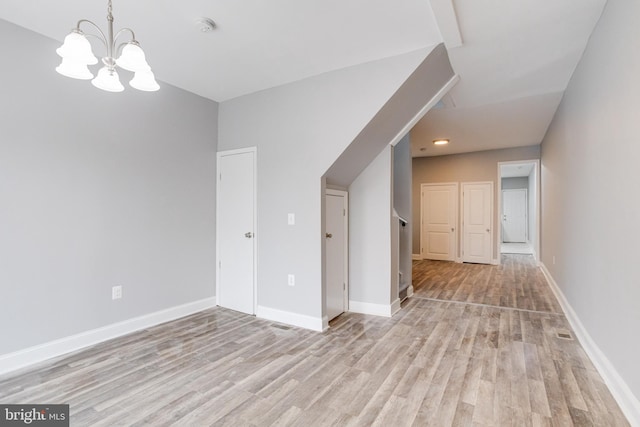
488,230
328,235
452,229
248,234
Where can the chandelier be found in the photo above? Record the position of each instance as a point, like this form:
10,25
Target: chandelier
76,55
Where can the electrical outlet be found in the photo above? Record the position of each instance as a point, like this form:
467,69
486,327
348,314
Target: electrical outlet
291,219
116,292
291,280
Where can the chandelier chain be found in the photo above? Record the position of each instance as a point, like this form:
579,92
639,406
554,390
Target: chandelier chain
110,8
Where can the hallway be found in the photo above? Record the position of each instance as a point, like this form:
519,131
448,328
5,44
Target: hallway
517,283
526,366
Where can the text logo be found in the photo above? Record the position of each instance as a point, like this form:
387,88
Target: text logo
34,415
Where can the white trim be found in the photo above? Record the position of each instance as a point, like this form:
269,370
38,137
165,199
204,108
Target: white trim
385,310
620,390
410,291
495,261
219,155
325,323
345,206
429,105
40,353
416,257
289,318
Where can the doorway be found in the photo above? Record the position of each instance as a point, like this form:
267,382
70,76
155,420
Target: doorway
236,230
518,207
336,253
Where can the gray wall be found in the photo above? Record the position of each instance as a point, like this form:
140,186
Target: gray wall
590,178
391,122
478,166
300,129
97,189
402,171
370,232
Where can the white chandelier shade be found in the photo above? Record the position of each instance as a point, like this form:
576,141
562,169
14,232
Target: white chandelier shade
132,58
108,80
74,69
144,80
77,47
77,55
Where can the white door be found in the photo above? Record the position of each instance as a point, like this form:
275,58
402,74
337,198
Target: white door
336,253
477,235
514,216
235,225
438,225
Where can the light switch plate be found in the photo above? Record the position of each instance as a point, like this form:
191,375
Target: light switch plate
291,219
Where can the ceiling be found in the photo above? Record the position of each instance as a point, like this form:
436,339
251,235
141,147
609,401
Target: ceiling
514,63
257,44
516,170
514,58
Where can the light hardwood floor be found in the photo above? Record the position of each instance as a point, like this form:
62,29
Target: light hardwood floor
475,346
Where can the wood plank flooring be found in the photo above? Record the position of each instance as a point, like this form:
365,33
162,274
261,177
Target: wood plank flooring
516,283
455,355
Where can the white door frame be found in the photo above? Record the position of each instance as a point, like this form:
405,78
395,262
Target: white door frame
536,244
219,156
492,260
456,220
344,194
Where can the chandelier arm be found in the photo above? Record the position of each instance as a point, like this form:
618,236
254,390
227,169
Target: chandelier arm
97,38
102,37
133,35
118,49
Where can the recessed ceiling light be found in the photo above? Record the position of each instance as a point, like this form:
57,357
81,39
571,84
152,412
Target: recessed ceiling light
440,141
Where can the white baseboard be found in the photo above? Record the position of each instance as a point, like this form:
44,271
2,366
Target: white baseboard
39,353
416,257
295,319
621,392
495,261
386,310
410,291
395,306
